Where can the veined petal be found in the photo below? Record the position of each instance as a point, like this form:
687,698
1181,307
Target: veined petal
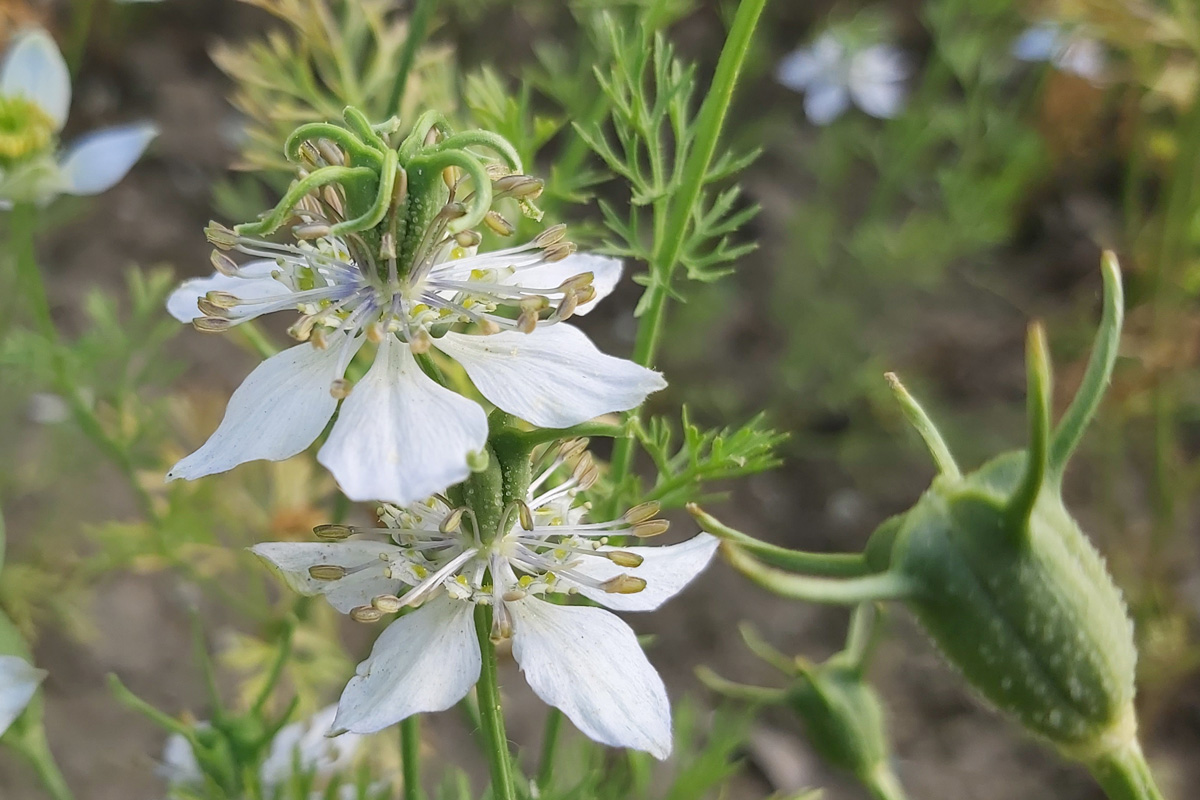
553,377
587,663
253,282
665,569
425,661
18,681
400,436
825,101
1037,43
305,743
294,559
96,162
35,70
606,272
281,407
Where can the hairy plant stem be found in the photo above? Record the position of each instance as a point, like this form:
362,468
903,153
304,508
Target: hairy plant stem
410,753
677,214
490,712
549,747
1124,774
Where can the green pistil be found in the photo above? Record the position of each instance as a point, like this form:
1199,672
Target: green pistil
25,130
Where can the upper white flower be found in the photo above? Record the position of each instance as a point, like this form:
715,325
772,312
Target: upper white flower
580,659
301,746
19,681
35,94
401,436
832,74
1070,50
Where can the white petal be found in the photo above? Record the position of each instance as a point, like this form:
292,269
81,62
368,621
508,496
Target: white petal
400,436
587,663
18,681
254,282
34,69
179,766
293,560
281,407
825,102
877,78
95,163
425,661
606,272
1083,57
305,743
802,67
553,377
1037,43
666,570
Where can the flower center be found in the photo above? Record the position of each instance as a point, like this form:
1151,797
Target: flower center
25,130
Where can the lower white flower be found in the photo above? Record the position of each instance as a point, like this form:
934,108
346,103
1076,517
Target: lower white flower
832,75
301,746
35,93
431,558
400,436
19,680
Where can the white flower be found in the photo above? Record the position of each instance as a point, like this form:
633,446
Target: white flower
831,75
580,659
19,681
35,94
401,436
1069,50
301,745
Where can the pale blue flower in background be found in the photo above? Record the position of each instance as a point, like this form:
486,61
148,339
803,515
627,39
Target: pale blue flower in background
19,680
35,94
1068,50
832,75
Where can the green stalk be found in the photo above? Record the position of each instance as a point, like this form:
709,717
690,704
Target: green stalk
417,25
884,785
490,713
669,245
1124,774
37,751
410,747
549,746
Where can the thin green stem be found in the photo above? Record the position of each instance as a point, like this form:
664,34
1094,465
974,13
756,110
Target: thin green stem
410,754
669,245
883,784
36,750
490,713
829,565
1037,359
417,25
758,695
840,591
549,748
1124,775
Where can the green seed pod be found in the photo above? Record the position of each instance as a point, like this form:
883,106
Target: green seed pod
1002,578
842,713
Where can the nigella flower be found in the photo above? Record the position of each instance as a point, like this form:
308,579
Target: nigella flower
35,94
300,747
832,74
400,435
19,680
1068,50
433,558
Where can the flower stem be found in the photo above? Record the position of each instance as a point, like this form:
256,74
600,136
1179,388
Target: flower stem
1124,774
883,784
417,25
549,746
491,715
36,750
410,746
668,247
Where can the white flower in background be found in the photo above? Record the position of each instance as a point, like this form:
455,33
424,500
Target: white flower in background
400,436
431,558
301,745
832,74
19,680
1067,49
35,94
